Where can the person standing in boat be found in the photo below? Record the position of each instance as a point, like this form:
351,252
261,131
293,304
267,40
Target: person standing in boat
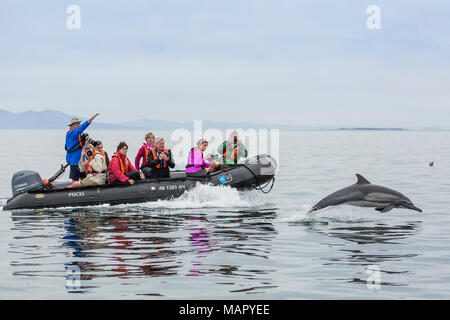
197,166
232,150
93,163
74,145
121,171
143,152
159,160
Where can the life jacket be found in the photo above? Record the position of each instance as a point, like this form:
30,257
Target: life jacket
147,150
158,166
234,152
77,146
90,170
192,164
123,167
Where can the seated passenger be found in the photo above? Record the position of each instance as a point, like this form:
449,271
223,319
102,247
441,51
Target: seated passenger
158,162
121,171
197,166
98,146
93,163
144,150
232,150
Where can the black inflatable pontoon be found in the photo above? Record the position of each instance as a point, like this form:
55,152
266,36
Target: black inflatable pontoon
29,192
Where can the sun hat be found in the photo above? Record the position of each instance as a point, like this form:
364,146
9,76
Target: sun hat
74,120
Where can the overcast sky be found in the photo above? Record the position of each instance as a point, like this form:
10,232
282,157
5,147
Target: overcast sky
308,63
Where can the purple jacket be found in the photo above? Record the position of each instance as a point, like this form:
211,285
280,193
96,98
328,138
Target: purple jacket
196,159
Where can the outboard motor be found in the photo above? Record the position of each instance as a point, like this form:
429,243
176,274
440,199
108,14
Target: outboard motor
24,181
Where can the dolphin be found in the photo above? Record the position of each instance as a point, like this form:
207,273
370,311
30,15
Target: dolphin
365,194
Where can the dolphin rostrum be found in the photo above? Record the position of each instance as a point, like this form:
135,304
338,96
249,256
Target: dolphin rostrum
365,194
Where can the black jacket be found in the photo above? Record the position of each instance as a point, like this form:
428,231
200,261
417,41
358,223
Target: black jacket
162,172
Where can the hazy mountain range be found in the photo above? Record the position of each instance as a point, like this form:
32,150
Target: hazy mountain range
52,119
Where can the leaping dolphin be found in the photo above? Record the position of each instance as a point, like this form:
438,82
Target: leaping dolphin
365,194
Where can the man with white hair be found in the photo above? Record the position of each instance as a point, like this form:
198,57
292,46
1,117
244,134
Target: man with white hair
232,149
159,160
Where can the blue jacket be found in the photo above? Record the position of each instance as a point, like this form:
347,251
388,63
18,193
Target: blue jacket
72,158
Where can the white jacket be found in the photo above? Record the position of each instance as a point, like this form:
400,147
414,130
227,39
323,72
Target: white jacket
98,164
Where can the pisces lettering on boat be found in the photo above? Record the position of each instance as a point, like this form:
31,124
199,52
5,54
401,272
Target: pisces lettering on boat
76,194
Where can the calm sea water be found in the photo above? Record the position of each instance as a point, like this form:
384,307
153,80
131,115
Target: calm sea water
215,242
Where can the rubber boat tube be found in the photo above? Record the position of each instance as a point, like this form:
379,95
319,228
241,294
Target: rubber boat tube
253,173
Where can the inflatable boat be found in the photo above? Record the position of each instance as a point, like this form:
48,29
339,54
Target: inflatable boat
30,192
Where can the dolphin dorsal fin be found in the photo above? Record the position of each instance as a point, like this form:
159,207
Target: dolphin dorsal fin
361,179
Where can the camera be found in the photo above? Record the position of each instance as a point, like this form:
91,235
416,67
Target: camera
87,150
235,140
86,139
167,153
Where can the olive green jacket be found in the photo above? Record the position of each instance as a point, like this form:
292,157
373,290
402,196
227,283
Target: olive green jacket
229,147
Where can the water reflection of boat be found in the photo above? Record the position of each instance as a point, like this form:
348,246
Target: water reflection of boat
132,240
143,246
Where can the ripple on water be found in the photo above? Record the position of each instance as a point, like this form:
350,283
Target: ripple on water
217,243
125,243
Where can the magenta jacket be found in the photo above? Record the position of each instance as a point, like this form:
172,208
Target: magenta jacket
196,158
141,154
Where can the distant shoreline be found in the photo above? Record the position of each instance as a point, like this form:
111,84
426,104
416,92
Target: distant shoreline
371,129
55,120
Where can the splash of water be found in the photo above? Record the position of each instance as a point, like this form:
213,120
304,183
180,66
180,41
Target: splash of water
344,214
207,196
2,203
